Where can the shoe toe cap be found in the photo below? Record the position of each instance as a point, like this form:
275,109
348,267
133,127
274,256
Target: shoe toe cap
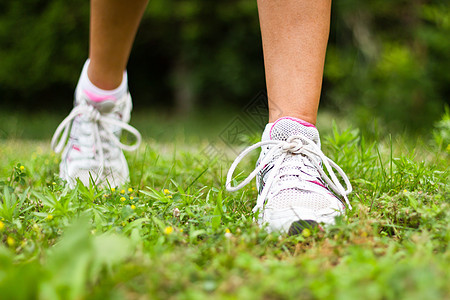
283,219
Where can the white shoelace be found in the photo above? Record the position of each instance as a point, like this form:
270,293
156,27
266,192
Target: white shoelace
295,144
101,123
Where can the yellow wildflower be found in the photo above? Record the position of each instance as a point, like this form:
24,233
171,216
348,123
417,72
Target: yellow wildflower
113,189
168,230
306,232
169,196
50,217
22,168
181,230
133,206
122,191
122,199
2,225
166,191
130,190
10,241
131,198
228,233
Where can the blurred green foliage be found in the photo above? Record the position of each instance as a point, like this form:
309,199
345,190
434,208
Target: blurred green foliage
389,59
386,59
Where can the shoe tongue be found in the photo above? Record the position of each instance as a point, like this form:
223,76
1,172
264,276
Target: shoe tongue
285,127
104,107
104,104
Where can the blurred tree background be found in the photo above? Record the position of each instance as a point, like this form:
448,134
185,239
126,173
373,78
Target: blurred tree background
387,60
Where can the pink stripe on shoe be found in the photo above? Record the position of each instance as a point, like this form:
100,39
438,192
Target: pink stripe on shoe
95,98
318,183
301,122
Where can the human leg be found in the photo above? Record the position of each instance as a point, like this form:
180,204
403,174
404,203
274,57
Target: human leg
113,27
294,35
102,102
294,191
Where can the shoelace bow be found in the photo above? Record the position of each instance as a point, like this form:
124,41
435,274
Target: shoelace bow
280,150
101,123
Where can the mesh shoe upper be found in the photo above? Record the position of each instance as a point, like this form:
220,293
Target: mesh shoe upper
296,169
291,182
93,149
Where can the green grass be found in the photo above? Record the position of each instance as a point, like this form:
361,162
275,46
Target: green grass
177,234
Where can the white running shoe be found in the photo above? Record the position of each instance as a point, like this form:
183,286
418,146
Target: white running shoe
294,191
93,150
